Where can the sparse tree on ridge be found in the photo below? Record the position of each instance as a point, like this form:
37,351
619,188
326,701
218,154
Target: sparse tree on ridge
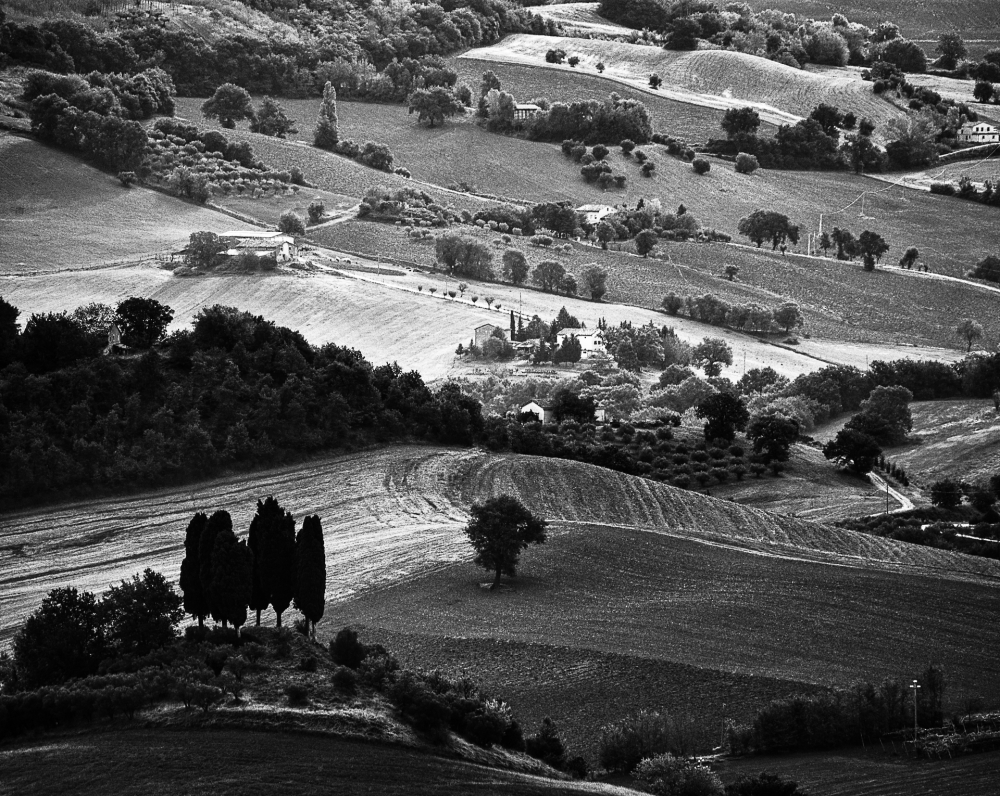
195,598
711,354
872,247
271,119
952,48
515,267
499,530
909,257
595,281
767,225
327,132
740,121
788,316
548,275
310,583
970,331
645,242
229,104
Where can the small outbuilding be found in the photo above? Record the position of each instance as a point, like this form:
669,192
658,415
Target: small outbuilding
485,331
524,110
544,411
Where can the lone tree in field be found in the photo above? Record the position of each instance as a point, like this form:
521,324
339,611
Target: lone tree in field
327,132
773,436
788,316
909,257
195,598
645,242
711,354
291,223
515,267
232,579
724,413
229,104
310,583
434,104
970,331
204,250
655,81
548,274
499,530
595,281
219,523
767,225
271,119
952,48
278,567
872,247
143,321
605,233
740,121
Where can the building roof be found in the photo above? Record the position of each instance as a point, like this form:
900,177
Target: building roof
526,106
257,233
487,326
578,332
594,208
540,404
970,127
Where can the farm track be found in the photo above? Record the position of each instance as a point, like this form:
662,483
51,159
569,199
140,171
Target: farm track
393,513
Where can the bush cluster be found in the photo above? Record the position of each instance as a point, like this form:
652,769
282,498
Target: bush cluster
709,308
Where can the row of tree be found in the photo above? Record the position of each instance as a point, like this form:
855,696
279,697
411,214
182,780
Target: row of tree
222,576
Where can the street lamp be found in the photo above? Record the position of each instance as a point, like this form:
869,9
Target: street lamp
914,686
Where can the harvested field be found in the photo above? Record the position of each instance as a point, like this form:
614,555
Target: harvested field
169,762
58,212
892,314
852,773
717,79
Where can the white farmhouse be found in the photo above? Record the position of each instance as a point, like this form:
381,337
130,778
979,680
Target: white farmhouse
979,133
522,110
591,341
542,410
264,244
594,213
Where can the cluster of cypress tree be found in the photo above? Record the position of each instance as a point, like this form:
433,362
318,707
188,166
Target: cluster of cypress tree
222,576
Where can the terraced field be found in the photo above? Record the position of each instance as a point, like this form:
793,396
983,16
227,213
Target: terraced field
58,212
713,78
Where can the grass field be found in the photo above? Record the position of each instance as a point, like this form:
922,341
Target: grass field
58,212
713,78
268,210
226,761
884,310
581,19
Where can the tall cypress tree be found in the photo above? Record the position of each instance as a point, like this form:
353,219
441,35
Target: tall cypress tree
278,564
268,512
232,578
327,133
195,599
219,522
310,559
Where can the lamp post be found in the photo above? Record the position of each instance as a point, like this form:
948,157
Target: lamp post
914,686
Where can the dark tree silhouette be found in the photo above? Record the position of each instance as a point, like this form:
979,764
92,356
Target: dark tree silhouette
143,321
278,565
62,639
140,615
232,579
855,449
724,413
218,523
310,584
195,599
269,512
773,435
499,530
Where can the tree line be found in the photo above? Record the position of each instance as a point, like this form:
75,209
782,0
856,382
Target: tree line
233,392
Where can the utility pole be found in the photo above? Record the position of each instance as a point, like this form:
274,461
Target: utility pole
887,496
914,686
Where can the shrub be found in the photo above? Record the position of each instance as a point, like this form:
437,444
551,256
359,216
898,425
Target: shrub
667,775
345,679
701,166
316,211
308,664
291,223
943,188
546,745
297,694
346,650
626,742
348,148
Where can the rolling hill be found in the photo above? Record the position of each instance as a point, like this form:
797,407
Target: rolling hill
692,601
717,79
58,212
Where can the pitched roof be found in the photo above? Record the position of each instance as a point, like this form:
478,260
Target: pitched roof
578,332
487,325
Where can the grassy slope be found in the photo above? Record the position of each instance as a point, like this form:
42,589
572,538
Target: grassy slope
840,300
226,761
952,439
714,78
58,212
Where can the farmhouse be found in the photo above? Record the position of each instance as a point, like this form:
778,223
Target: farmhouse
590,340
522,110
484,332
594,213
979,133
545,412
274,244
115,345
